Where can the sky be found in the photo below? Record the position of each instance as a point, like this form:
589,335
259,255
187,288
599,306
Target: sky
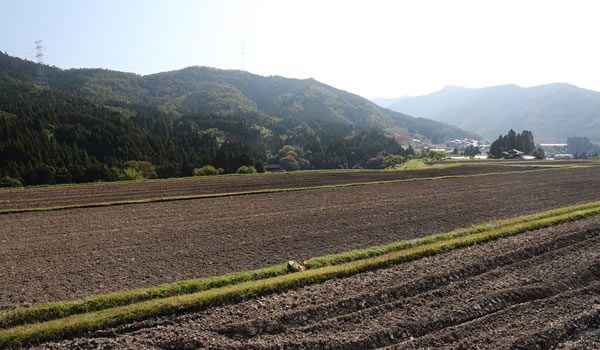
373,48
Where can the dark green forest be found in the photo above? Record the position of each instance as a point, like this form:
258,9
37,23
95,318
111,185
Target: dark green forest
522,141
85,125
48,136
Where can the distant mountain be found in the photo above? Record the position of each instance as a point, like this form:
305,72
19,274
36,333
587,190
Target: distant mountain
386,102
552,112
277,100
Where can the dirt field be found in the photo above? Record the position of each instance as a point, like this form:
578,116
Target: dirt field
60,255
536,290
65,195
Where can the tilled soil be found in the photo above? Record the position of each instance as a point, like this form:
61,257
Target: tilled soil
62,255
536,290
108,192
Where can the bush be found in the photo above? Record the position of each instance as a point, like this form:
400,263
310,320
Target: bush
8,181
207,170
411,164
539,154
131,174
246,170
375,162
260,166
392,159
431,155
168,170
145,168
289,163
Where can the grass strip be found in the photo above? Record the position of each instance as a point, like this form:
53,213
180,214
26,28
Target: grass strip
357,254
77,324
265,191
57,310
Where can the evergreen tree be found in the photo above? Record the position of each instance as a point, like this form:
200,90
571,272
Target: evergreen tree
523,142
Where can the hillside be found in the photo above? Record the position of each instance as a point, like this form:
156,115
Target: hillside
82,125
278,100
552,112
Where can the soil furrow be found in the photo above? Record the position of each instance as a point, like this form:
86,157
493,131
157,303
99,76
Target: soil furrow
81,194
533,324
388,321
49,256
374,301
534,289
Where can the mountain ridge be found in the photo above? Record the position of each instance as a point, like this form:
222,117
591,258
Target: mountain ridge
552,111
199,89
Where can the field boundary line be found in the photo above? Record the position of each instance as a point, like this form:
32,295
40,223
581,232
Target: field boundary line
33,332
442,165
284,173
264,191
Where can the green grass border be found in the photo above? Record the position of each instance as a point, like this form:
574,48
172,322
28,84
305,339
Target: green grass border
59,319
61,309
264,191
357,254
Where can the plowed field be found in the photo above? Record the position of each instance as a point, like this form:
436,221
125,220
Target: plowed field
531,291
60,255
108,192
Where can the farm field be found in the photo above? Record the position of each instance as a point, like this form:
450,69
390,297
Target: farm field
539,289
510,288
109,192
68,254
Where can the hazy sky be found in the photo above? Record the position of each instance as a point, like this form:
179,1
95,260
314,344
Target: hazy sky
372,48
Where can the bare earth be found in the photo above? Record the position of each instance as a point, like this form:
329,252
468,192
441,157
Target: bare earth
108,192
536,290
61,255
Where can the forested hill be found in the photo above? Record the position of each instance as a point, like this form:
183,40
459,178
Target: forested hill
553,112
226,92
91,124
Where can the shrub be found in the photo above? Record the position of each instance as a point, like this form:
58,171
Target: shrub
375,162
431,155
168,170
145,168
392,159
131,174
289,163
8,181
411,164
207,170
260,166
539,154
246,170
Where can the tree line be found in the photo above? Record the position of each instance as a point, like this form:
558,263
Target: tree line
523,142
